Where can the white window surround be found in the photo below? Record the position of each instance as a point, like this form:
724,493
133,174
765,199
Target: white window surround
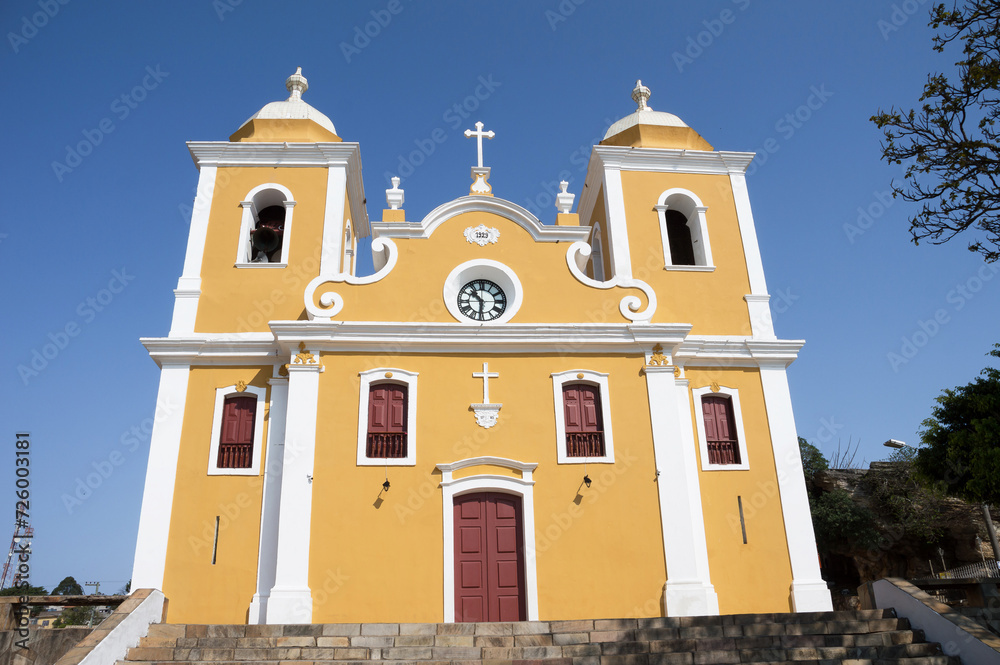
494,271
523,487
374,377
258,431
258,198
699,415
589,377
597,255
689,205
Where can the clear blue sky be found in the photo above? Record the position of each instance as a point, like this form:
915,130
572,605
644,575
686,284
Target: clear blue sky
742,73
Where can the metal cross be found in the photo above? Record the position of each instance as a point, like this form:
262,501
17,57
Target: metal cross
479,134
486,375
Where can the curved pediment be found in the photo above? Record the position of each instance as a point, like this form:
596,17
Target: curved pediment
489,204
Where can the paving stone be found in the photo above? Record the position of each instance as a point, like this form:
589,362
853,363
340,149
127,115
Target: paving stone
732,630
217,642
493,641
226,631
613,648
263,630
804,640
216,654
717,644
754,629
615,624
761,642
533,640
560,639
196,630
260,642
413,640
341,629
497,628
302,630
659,622
456,628
577,650
150,653
663,646
343,654
295,641
671,658
531,627
716,657
905,636
380,629
454,641
418,628
158,642
407,653
818,628
629,659
286,653
570,626
612,635
327,642
252,654
762,655
457,653
520,653
700,621
172,630
186,642
700,631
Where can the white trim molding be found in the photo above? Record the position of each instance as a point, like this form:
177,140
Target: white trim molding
188,290
523,487
501,207
260,197
809,593
734,395
688,204
493,271
161,477
258,431
590,378
378,376
630,306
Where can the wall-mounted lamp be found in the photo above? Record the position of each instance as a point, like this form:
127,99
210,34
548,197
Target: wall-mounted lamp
385,485
587,480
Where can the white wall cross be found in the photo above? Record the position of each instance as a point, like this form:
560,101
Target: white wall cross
486,375
479,134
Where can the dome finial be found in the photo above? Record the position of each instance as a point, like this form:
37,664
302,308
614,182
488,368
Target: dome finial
639,95
296,84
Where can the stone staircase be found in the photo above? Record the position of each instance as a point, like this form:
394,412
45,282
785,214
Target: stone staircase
870,637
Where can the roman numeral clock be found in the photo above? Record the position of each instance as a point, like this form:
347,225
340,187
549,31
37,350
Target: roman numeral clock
481,300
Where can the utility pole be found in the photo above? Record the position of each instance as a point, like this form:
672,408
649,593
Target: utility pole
97,592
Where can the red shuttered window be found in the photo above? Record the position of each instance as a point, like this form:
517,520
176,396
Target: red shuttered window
387,405
236,439
584,423
720,430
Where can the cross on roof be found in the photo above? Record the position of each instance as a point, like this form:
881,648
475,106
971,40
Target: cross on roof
479,134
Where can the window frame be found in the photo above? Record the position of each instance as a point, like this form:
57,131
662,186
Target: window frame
689,205
374,377
592,378
258,198
734,395
258,431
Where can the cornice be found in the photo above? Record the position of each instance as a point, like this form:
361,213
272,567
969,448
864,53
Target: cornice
671,160
292,155
398,337
507,209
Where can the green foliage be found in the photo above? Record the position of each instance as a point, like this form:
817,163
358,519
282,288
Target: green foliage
903,504
906,454
962,439
950,145
24,591
812,459
841,524
68,587
76,616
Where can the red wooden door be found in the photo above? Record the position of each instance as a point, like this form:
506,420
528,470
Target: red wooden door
584,426
387,421
489,558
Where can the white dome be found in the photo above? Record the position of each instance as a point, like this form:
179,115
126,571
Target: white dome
293,108
645,117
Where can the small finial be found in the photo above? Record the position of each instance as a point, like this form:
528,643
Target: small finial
296,84
394,196
564,200
639,95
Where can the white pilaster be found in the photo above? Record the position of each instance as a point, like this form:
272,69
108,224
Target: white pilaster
267,551
189,285
333,220
809,593
614,202
290,600
688,590
761,326
161,475
748,232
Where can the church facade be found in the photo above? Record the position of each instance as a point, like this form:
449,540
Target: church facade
508,420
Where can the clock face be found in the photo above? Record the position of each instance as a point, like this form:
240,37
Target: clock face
481,300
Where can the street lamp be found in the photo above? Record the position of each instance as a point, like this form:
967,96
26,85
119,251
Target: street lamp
895,443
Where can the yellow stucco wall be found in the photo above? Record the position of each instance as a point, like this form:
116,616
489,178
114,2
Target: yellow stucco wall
198,590
756,576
